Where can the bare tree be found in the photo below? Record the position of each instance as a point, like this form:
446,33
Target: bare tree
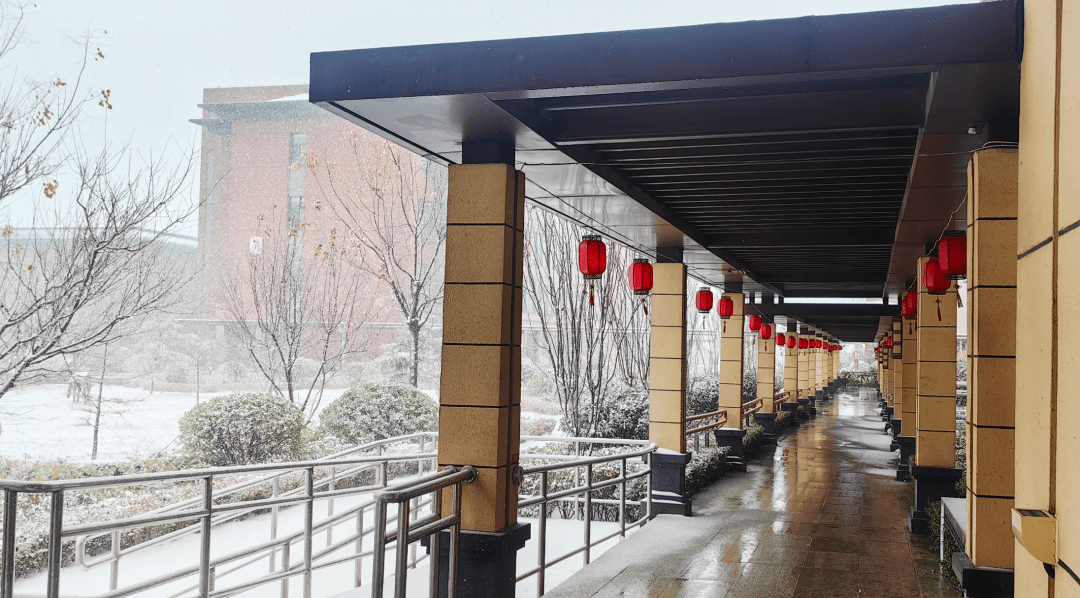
579,340
298,317
80,274
396,216
93,271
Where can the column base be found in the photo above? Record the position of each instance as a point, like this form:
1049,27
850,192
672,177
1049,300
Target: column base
669,495
487,561
896,426
732,438
767,421
906,445
792,407
982,582
805,404
931,484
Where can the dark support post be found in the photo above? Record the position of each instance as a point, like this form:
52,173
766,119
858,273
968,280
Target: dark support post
669,483
487,561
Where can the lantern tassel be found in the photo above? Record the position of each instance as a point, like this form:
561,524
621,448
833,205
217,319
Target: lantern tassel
644,306
959,302
939,309
723,326
591,300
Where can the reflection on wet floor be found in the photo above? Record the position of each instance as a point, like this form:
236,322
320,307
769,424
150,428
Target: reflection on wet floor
817,515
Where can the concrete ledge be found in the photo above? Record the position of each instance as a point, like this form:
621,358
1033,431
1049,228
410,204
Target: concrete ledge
982,582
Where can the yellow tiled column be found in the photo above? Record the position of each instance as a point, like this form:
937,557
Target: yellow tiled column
935,408
991,325
766,383
791,368
804,369
896,357
1047,477
480,389
909,378
667,358
819,373
731,363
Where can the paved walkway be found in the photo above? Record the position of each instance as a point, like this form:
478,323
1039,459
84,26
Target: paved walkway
821,514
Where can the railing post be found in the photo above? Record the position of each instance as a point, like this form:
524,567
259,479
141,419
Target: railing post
542,540
114,567
378,555
401,554
7,565
455,543
359,563
286,556
309,516
435,560
275,490
204,544
412,518
588,513
330,506
56,524
622,501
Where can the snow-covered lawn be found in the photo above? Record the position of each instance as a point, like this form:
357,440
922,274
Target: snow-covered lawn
41,422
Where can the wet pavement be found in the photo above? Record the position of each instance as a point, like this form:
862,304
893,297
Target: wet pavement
820,514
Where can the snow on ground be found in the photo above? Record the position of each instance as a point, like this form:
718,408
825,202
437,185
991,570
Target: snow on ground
41,422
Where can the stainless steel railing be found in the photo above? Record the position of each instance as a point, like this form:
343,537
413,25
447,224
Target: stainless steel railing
411,530
582,493
208,510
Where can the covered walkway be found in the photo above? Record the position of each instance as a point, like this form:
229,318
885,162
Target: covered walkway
821,514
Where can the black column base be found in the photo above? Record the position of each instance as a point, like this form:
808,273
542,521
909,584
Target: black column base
669,495
896,426
768,422
906,445
732,438
487,561
805,404
793,408
982,582
931,483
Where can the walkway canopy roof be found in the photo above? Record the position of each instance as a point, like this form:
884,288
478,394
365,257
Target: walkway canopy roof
805,157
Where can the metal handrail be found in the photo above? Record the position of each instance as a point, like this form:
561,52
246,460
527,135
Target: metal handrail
587,489
409,532
207,510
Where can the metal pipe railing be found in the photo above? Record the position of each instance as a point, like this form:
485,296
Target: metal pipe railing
406,534
588,488
208,510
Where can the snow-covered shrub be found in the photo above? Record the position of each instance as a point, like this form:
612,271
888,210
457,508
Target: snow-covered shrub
703,395
783,419
564,479
376,411
627,415
754,438
749,386
705,467
242,428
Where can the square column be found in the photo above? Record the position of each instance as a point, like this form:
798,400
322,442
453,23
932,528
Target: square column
896,357
480,390
804,369
904,409
819,381
934,464
766,374
480,387
791,375
991,325
731,363
667,358
667,389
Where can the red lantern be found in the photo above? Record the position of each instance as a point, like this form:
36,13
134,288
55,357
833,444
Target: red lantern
889,342
725,307
935,282
766,331
781,340
952,256
641,276
934,278
592,260
909,307
704,300
792,342
817,344
755,323
804,344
